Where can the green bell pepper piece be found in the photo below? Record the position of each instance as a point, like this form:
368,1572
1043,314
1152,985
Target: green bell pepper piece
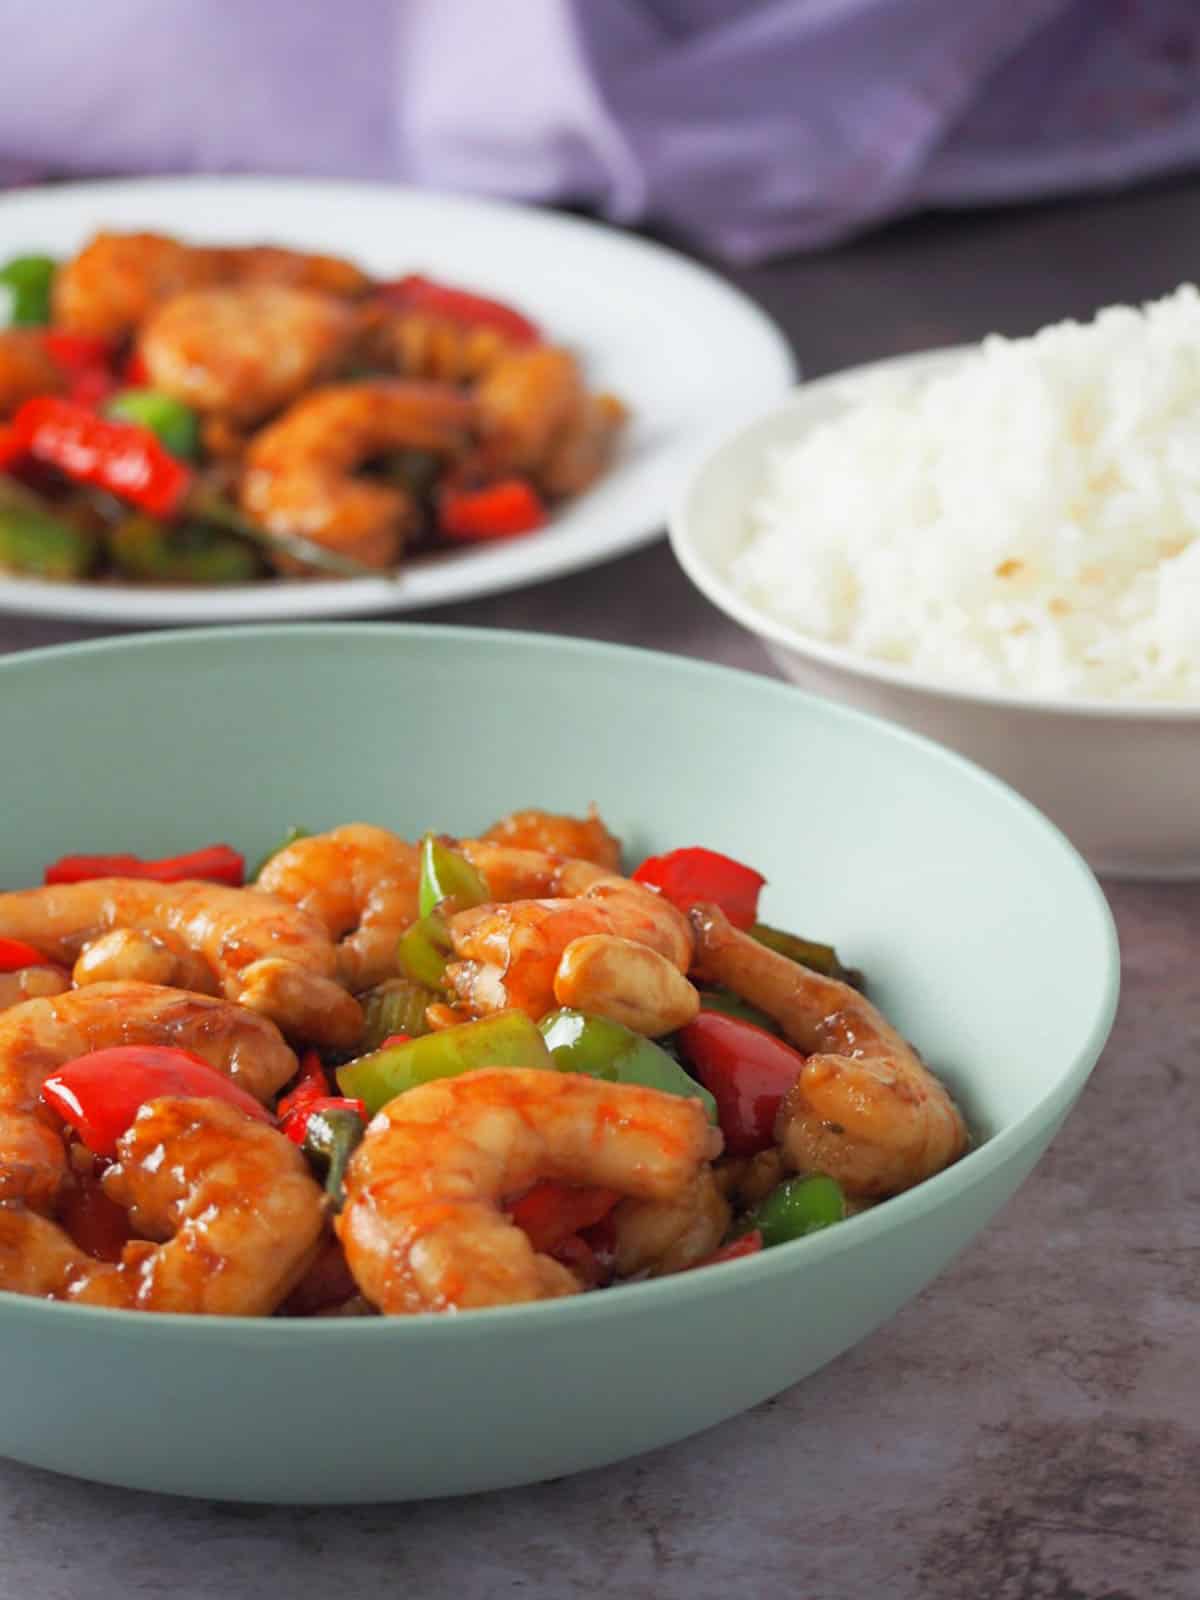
37,542
732,1005
601,1048
822,958
423,949
330,1139
396,1006
28,280
152,551
215,508
176,425
415,470
447,875
509,1039
797,1207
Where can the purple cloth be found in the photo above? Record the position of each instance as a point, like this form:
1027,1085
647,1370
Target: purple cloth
753,126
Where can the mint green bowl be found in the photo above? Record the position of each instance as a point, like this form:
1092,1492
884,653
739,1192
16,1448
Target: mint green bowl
985,937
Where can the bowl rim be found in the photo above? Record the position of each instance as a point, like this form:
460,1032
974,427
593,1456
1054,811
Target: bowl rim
686,1288
720,591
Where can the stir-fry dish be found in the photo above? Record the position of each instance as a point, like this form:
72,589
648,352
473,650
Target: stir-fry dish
393,1077
176,413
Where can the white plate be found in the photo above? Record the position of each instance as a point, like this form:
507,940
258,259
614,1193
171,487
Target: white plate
690,356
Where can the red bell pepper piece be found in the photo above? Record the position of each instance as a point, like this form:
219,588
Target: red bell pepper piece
85,360
550,1212
420,294
12,448
91,388
747,1070
295,1120
215,863
126,460
696,876
100,1094
393,1038
136,374
503,510
312,1083
78,352
749,1244
15,955
97,1224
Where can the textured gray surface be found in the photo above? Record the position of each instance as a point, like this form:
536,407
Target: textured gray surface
1029,1428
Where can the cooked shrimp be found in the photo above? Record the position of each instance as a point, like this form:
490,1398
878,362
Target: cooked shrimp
535,416
415,345
118,279
865,1109
360,882
31,983
298,470
252,948
42,1035
298,269
244,350
423,1225
26,368
526,402
128,955
624,980
584,447
223,442
747,1180
583,838
655,1237
232,1197
516,950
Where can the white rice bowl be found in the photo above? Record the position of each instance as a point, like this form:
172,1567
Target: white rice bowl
1028,522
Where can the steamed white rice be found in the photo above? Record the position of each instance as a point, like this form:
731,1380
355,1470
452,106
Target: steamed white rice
1028,522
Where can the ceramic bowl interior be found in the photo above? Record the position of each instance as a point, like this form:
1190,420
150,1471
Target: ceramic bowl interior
983,934
1085,763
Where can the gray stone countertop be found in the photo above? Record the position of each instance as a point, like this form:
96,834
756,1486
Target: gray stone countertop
1029,1427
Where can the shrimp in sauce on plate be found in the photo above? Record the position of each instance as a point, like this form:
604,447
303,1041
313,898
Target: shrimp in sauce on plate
184,413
